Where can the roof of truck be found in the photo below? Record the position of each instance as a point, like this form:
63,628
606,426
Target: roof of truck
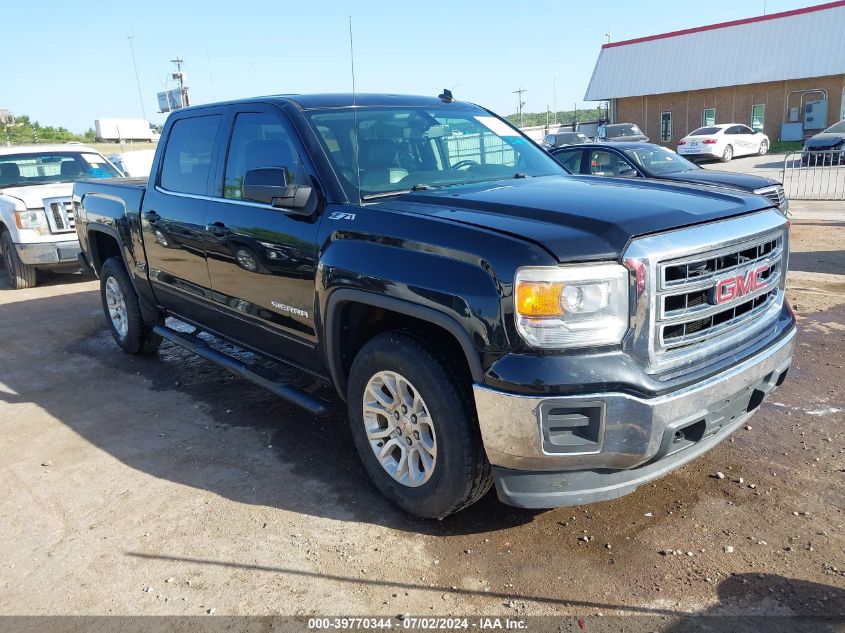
53,147
344,100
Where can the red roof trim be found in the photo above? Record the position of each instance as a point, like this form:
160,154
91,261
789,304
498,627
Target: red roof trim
721,25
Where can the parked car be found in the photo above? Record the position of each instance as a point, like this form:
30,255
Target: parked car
485,316
827,146
621,132
724,142
559,139
135,164
37,230
646,160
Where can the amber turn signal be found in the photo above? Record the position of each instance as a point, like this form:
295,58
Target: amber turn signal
535,298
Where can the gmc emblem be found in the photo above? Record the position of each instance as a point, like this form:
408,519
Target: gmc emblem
731,288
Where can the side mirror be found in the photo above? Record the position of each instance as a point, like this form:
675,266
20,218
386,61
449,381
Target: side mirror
270,186
628,173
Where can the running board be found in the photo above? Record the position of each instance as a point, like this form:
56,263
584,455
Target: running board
261,376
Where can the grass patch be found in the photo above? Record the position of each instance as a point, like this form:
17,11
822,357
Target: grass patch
785,147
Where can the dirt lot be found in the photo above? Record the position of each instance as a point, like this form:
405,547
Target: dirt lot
165,486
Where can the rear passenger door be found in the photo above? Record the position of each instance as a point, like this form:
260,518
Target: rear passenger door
571,159
263,259
173,214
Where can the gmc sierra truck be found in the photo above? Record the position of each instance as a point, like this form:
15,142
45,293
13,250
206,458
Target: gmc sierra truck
486,317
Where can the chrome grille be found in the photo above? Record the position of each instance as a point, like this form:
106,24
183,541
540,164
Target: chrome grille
774,193
707,294
706,291
60,215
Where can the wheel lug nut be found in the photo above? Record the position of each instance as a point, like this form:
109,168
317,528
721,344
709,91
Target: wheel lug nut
398,430
395,415
404,409
414,419
416,435
408,440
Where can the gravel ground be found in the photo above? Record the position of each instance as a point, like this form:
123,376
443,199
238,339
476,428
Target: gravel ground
166,486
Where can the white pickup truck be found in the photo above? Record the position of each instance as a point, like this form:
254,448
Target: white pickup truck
37,229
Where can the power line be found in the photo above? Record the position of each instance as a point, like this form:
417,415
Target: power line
521,103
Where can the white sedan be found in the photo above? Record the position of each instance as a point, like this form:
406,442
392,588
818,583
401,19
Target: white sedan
723,142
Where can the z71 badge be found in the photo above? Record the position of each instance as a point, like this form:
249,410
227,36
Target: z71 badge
340,215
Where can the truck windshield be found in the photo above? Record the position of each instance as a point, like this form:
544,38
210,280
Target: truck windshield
659,160
397,150
34,168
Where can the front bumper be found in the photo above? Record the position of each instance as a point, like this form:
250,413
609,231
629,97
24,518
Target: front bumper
49,253
635,439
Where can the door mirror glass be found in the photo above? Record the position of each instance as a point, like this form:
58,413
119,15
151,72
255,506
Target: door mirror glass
270,186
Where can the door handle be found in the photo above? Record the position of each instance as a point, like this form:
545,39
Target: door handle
152,217
218,229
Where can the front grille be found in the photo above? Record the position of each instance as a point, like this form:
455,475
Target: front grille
705,295
774,193
60,215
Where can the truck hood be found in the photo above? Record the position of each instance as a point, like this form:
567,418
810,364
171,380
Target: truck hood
33,195
580,218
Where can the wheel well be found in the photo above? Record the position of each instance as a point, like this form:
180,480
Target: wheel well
103,246
360,322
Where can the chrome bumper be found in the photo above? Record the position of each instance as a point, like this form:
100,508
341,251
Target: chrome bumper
635,432
45,254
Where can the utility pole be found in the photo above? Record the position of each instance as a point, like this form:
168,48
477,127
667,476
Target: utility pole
180,77
608,35
521,103
131,38
554,97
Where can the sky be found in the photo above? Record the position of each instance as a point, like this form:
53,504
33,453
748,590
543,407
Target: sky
72,61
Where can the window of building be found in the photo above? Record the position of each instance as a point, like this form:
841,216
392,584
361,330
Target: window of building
758,117
665,126
259,140
709,117
187,156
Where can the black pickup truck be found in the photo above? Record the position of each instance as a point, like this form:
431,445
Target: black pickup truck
486,317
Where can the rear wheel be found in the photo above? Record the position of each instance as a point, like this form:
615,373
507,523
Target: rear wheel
123,310
728,154
764,148
20,275
414,426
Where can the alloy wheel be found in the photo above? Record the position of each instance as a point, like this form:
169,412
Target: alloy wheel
116,304
399,428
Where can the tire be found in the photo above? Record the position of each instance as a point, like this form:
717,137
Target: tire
764,148
728,154
20,275
459,473
123,310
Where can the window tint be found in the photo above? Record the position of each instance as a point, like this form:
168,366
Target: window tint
744,129
259,140
705,131
187,157
571,160
604,163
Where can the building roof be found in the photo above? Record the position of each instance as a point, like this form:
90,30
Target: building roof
797,44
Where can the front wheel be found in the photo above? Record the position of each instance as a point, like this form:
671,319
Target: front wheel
727,155
123,310
764,148
414,426
20,275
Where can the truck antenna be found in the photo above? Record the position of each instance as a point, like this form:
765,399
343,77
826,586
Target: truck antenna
355,115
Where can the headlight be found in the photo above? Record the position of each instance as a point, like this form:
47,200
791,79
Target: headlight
32,219
572,306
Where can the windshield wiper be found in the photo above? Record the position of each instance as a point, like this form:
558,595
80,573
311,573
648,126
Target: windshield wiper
519,174
421,186
384,194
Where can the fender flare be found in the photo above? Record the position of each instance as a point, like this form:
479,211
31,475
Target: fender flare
351,295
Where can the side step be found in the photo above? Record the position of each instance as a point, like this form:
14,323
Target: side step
261,376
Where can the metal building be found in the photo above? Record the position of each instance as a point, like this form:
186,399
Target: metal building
782,73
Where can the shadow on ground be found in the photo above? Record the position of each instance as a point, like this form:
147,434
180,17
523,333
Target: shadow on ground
256,450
